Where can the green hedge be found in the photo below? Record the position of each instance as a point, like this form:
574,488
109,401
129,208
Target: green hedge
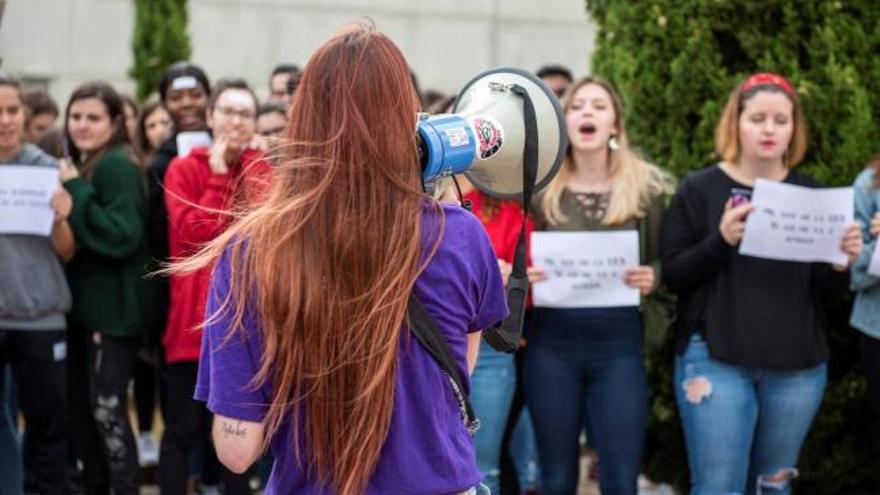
159,40
674,63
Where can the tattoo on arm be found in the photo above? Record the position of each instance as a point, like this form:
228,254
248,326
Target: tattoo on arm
235,430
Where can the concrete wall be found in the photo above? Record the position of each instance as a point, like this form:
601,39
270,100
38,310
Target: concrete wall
65,42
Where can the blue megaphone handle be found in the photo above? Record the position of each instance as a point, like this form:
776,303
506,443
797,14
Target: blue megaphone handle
449,145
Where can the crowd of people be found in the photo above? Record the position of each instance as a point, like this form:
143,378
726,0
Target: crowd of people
83,315
248,266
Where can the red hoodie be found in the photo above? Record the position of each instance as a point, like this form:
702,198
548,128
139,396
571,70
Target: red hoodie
502,225
193,194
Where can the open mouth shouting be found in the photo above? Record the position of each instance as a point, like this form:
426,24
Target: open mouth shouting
587,131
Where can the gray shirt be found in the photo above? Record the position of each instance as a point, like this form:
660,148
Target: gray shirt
33,289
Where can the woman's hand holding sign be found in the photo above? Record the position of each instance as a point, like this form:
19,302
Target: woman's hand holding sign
642,278
67,170
733,221
851,244
536,274
61,203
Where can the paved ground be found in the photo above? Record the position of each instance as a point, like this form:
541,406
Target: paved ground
589,487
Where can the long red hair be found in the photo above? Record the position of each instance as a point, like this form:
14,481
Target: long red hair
330,257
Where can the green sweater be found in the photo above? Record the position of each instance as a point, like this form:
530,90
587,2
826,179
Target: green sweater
106,276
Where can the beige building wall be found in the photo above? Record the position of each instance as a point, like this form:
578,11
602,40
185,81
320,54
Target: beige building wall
61,43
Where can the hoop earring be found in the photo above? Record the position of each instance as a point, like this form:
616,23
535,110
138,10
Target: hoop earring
613,145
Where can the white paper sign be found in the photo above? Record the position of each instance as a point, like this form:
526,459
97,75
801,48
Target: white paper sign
188,140
584,269
874,264
25,192
795,223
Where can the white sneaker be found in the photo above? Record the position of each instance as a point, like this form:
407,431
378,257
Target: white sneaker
148,450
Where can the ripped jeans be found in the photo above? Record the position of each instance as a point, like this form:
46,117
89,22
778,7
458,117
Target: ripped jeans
100,368
743,426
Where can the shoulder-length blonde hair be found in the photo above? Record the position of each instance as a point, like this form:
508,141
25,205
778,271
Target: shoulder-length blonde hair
727,143
634,181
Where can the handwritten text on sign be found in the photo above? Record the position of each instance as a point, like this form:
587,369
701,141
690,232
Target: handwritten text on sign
24,199
795,223
585,269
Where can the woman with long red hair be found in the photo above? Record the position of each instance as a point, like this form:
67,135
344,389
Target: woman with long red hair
306,346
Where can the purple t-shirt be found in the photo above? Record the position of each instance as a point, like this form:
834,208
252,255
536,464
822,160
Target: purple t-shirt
428,450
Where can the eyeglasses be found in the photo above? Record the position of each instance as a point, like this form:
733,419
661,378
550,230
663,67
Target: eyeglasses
272,131
232,112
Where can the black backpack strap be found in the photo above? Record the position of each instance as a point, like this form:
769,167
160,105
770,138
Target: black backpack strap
426,332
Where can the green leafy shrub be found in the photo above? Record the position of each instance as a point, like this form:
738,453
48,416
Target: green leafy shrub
159,40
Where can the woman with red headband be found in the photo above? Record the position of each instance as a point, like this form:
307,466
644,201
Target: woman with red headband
751,349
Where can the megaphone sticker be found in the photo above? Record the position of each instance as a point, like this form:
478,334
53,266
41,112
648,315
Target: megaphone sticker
457,136
490,136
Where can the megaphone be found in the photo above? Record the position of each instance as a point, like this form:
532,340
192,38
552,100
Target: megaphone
485,136
507,135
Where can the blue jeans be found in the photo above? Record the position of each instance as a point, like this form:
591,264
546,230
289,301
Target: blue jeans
524,451
743,426
584,366
492,387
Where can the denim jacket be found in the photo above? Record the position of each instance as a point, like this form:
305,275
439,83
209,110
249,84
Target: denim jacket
866,309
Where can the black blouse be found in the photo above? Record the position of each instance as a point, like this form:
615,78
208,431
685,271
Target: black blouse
751,311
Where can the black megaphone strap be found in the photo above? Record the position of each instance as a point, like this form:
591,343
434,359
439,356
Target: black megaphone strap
505,337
